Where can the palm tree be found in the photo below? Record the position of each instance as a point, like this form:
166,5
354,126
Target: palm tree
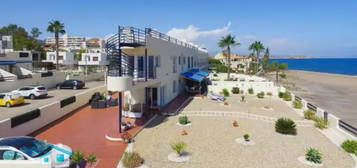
275,66
257,47
57,28
265,60
227,42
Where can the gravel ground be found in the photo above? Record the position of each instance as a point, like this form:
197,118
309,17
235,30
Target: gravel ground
253,105
211,143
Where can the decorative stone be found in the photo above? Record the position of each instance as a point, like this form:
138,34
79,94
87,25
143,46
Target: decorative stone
303,160
173,157
244,142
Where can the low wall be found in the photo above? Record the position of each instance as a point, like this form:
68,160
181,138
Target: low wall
218,86
49,81
48,114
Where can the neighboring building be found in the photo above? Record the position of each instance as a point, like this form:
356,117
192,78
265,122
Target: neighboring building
95,45
151,68
5,44
18,63
99,59
64,58
66,42
238,63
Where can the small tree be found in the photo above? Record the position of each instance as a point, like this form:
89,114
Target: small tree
275,66
91,159
77,157
225,92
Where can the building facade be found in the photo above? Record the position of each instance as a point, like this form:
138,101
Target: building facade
238,63
6,44
64,58
67,42
146,66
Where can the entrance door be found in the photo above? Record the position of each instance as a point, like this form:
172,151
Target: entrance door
151,97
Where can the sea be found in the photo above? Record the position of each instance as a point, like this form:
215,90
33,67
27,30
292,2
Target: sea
345,66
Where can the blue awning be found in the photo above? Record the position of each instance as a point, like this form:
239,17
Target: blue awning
195,75
7,62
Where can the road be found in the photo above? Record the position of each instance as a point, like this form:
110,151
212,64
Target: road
53,95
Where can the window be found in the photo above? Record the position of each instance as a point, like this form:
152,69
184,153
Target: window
174,68
157,61
174,86
10,155
24,55
188,62
60,57
179,60
95,58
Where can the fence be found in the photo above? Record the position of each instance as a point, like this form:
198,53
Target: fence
347,127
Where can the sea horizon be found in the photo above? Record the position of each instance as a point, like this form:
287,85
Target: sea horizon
342,66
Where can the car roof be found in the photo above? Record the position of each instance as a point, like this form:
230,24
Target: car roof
16,141
33,86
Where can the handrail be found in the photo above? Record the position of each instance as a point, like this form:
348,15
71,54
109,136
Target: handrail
347,127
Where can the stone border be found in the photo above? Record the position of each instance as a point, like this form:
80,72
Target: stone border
244,142
178,159
186,125
303,160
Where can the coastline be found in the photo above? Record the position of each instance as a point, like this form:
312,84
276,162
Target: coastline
336,93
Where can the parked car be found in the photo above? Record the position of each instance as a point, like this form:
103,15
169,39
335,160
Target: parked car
11,99
32,92
24,151
71,84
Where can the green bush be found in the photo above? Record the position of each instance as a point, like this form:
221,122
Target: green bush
297,104
132,159
350,146
270,94
215,75
281,94
282,75
285,126
235,90
183,120
320,122
313,155
178,147
77,157
91,159
287,97
246,137
260,95
225,92
250,91
241,91
309,114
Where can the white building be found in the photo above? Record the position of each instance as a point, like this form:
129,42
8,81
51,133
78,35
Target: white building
67,42
64,58
149,69
238,63
99,59
5,44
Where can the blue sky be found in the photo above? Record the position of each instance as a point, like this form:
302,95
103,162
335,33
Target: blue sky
317,28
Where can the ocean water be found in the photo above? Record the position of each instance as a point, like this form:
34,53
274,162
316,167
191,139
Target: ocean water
346,66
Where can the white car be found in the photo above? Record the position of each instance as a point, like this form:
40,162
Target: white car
29,152
32,92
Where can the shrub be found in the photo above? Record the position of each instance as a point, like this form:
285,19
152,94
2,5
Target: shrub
281,94
225,92
282,75
320,122
285,126
313,155
235,90
242,98
132,159
77,157
91,158
183,120
270,94
309,114
246,137
250,91
350,146
215,75
179,147
241,91
287,96
260,95
297,104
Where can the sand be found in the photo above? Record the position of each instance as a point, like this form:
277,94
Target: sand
335,93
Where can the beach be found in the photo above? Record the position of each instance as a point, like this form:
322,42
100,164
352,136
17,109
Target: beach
335,93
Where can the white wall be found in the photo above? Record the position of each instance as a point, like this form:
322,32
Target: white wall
49,113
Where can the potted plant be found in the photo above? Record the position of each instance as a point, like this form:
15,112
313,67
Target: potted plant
126,137
183,120
246,137
77,160
179,148
91,159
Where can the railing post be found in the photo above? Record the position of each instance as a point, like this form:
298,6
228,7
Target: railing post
146,64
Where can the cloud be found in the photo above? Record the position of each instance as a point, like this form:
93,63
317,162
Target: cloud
193,34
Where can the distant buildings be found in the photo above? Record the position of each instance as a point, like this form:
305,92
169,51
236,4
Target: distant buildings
75,43
5,44
64,58
238,63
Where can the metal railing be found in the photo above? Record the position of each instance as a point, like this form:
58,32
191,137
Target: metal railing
347,127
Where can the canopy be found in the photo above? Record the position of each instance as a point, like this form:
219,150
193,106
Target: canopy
195,75
7,75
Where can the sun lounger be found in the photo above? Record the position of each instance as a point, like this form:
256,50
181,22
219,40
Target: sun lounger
217,97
